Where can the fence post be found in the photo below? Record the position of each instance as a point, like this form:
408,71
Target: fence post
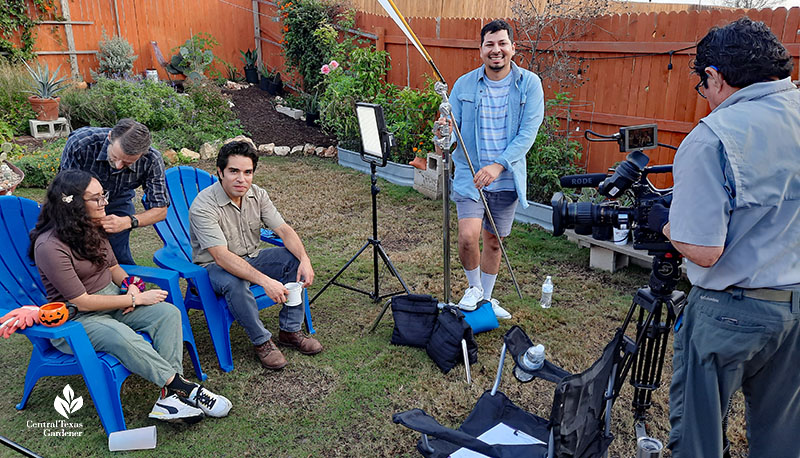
381,33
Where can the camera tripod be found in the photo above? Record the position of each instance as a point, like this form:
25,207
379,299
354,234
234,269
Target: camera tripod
377,251
658,306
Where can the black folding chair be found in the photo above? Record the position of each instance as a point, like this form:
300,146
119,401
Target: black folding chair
580,419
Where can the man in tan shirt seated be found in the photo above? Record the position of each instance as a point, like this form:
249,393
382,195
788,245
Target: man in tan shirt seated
225,228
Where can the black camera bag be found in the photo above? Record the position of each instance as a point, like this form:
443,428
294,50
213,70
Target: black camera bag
414,317
444,346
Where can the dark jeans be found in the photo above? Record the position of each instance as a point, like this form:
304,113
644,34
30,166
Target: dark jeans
120,242
276,263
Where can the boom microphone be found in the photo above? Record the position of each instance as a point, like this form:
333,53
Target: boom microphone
586,180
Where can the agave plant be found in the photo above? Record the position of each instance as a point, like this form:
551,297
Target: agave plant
45,84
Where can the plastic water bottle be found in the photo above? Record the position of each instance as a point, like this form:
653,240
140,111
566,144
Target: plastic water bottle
547,293
533,359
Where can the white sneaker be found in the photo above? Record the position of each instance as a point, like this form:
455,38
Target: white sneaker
211,404
472,296
500,312
173,408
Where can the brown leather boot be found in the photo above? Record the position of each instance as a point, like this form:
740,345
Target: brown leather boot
270,356
306,345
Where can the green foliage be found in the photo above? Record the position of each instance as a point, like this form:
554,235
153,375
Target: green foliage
309,39
40,166
14,21
154,104
44,84
116,57
359,79
265,72
553,154
15,111
210,118
176,121
193,57
409,115
249,58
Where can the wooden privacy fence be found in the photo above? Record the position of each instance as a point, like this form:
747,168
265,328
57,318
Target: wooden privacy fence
626,78
625,72
170,23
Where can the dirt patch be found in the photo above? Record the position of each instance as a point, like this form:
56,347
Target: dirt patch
296,386
256,109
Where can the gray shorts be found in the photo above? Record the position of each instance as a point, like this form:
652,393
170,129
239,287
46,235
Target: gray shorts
502,204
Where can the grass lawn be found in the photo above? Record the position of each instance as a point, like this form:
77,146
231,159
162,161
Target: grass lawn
340,402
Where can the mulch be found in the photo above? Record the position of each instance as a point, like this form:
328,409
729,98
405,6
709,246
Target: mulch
256,109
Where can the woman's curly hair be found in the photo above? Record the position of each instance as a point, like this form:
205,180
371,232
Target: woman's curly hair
64,211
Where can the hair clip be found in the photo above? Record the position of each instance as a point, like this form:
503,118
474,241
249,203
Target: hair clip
67,199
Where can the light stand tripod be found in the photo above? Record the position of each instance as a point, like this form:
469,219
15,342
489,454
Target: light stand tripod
377,250
376,142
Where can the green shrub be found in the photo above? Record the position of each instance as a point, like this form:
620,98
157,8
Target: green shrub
309,39
40,166
360,78
410,114
116,57
210,118
193,57
553,154
15,110
154,104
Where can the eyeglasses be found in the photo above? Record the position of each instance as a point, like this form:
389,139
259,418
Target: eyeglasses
697,88
100,200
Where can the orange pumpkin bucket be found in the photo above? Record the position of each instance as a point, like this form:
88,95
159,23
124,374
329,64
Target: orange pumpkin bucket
53,314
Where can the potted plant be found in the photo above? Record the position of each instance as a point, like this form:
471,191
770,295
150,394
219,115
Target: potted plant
250,71
45,86
266,82
276,88
311,107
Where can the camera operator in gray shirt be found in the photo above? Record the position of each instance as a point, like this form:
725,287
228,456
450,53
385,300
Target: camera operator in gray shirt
735,216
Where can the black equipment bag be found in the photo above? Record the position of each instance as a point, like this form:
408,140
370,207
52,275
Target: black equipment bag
444,346
414,317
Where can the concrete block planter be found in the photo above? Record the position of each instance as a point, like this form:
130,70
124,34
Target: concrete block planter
401,174
290,112
536,213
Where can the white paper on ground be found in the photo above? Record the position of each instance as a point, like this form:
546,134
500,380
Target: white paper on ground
499,434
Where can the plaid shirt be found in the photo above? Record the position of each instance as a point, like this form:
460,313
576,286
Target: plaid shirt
87,149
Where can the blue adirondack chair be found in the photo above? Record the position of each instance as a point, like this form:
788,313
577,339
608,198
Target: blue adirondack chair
20,284
183,185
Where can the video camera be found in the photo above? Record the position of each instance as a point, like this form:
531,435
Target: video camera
631,174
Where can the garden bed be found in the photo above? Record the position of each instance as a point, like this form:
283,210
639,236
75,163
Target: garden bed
256,109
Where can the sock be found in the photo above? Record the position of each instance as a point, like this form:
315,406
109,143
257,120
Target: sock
474,276
180,386
487,281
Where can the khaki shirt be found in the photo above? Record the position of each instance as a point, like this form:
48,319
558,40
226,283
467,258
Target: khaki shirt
215,220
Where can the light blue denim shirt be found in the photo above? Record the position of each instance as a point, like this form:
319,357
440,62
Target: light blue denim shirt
525,115
737,185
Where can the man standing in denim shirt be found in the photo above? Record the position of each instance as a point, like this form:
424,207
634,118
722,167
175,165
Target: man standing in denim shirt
499,108
735,216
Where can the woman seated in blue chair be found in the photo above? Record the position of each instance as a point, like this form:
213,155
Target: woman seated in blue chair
77,266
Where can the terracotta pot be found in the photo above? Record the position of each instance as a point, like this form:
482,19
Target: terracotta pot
419,162
45,109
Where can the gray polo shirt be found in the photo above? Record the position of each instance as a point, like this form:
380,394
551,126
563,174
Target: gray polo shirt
737,185
215,220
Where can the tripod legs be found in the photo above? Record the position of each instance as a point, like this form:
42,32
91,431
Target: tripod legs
375,294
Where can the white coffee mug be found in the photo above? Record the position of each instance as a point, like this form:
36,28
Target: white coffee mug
295,293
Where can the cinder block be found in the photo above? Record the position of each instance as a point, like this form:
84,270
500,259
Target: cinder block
49,129
430,182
